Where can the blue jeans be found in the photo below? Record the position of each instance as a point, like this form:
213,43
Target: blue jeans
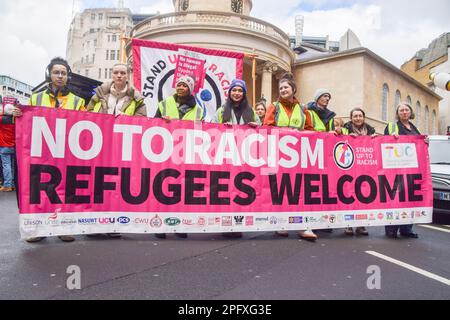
7,158
404,229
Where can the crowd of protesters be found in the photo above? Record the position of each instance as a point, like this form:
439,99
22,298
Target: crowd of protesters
119,97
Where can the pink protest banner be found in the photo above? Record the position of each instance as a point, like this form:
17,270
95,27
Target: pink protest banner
84,173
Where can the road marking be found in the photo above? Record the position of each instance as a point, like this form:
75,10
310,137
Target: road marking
410,267
434,228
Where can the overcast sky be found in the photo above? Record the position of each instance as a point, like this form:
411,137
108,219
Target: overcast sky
32,32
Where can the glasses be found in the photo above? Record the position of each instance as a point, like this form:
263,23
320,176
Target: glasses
59,73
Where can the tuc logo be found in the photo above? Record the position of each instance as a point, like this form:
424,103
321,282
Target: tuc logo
107,220
344,156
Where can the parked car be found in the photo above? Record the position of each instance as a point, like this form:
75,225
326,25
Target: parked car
440,172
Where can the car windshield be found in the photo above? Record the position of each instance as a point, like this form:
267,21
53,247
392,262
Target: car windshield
439,151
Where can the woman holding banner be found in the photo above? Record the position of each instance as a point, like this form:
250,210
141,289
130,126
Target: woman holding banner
403,126
287,112
181,106
356,127
236,111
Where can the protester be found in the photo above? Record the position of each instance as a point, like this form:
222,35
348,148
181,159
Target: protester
320,117
287,112
117,98
180,106
339,126
7,148
260,109
403,126
357,126
319,114
57,95
235,111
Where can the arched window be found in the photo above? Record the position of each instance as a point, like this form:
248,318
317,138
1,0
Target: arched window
433,123
408,100
384,107
418,114
427,118
398,99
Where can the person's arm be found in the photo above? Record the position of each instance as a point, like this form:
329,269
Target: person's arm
269,120
308,121
141,109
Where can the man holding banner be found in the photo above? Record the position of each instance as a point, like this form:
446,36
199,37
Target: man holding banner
57,95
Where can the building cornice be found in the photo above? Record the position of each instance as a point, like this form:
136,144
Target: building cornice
366,52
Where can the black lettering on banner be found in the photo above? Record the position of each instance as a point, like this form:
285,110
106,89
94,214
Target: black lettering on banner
358,189
72,184
191,187
412,187
175,189
285,186
217,187
326,191
36,185
340,190
398,187
125,186
101,185
309,188
245,188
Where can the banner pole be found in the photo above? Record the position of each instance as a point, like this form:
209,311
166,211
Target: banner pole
254,77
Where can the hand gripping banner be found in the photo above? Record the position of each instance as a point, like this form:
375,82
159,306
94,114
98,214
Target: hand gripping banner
155,66
84,173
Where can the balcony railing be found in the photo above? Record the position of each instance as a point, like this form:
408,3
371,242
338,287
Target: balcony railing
212,18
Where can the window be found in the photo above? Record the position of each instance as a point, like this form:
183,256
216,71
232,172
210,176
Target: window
110,73
118,54
107,54
418,114
87,73
99,73
106,73
409,101
87,59
93,58
433,122
398,98
113,55
384,108
236,6
91,30
427,118
114,38
82,60
109,38
93,16
100,17
95,43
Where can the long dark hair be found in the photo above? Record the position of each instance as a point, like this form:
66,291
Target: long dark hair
247,111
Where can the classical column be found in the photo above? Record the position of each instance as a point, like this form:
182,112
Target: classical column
266,82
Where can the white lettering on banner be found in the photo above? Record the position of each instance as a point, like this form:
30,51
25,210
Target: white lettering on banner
56,144
315,156
167,149
192,148
127,139
74,140
246,150
284,147
227,140
272,151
